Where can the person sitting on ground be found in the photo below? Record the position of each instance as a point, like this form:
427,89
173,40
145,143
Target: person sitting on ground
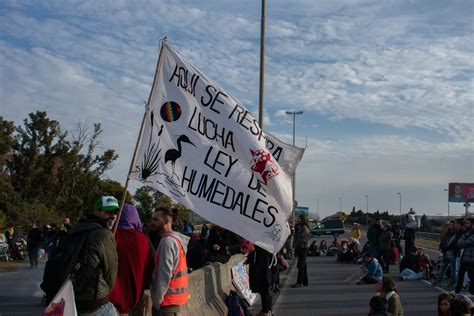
10,236
354,245
364,250
344,253
461,305
313,249
386,288
323,248
373,269
444,304
425,263
332,250
378,306
410,266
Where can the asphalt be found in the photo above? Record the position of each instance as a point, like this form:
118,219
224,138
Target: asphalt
20,293
327,294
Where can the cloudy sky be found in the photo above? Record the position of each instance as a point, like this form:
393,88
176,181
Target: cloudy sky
386,86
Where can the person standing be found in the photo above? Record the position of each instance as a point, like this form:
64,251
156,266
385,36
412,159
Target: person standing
355,232
260,277
169,287
373,236
466,244
385,241
33,242
448,257
410,230
301,245
96,277
396,237
135,266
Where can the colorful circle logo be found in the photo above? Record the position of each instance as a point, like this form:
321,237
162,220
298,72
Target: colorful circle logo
170,111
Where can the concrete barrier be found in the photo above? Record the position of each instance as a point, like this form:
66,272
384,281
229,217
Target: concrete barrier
208,288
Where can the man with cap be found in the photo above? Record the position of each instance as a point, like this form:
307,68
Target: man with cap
99,262
466,244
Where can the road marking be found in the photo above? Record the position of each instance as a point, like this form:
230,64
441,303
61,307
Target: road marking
436,287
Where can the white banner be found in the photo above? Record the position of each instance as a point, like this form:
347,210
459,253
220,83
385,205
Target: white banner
63,304
287,156
205,150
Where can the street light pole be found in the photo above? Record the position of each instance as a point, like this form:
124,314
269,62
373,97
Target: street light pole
317,207
294,113
400,195
448,201
262,67
340,204
367,209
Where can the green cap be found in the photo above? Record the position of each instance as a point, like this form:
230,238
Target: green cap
107,203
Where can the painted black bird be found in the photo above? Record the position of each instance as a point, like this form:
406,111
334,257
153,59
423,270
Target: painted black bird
174,154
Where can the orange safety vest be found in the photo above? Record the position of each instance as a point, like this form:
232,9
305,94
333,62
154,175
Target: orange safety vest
177,293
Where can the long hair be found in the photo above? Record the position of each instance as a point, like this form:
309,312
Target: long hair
444,296
388,285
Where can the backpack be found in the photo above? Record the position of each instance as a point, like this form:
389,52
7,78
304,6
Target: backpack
63,263
235,305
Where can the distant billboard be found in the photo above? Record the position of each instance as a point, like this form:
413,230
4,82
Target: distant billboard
461,192
302,210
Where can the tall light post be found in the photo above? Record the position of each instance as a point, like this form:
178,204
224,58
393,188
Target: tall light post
340,204
400,195
317,207
367,209
448,201
294,113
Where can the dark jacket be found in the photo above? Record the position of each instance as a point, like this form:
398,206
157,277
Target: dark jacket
34,238
260,276
452,244
99,264
302,236
466,242
385,239
411,262
444,242
373,234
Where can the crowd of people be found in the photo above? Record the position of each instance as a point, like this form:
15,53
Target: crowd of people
38,241
117,268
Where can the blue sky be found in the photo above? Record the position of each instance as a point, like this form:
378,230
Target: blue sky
386,86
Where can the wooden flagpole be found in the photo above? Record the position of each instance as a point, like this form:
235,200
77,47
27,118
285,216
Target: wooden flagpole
145,115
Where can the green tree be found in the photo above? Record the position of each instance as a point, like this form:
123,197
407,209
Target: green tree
49,173
148,199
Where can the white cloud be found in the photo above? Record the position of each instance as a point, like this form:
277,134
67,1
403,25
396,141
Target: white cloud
402,64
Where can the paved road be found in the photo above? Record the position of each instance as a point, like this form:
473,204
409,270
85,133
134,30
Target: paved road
327,294
20,293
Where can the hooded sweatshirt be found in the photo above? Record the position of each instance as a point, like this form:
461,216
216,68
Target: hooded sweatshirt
166,260
135,261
